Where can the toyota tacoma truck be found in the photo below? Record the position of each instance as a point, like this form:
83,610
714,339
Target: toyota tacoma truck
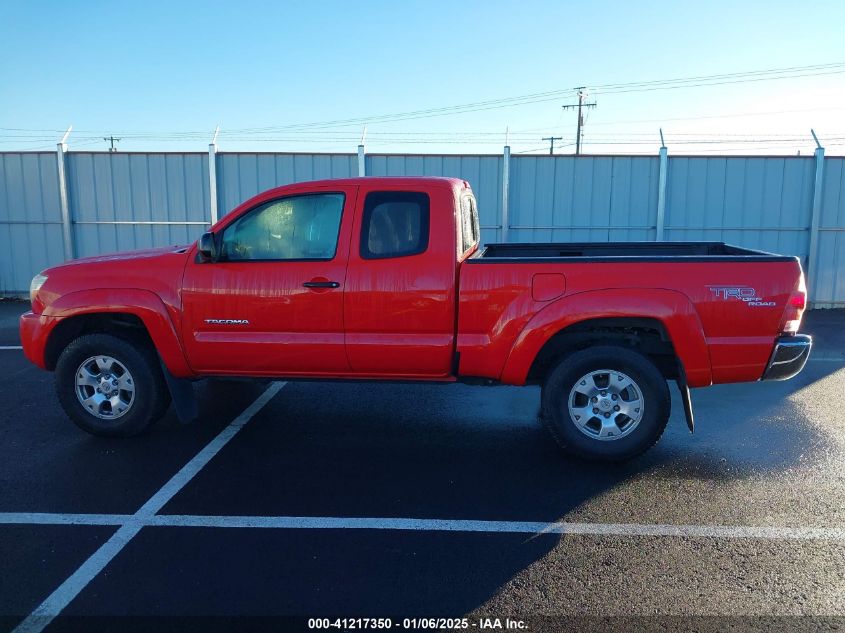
384,279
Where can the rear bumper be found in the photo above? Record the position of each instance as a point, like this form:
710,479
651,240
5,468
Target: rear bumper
788,357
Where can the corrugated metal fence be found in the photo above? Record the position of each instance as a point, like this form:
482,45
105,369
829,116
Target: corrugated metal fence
118,201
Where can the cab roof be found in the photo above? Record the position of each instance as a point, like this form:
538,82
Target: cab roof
391,180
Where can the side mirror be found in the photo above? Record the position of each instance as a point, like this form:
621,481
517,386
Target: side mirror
207,248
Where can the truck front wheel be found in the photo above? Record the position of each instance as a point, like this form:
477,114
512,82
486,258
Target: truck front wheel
110,386
605,403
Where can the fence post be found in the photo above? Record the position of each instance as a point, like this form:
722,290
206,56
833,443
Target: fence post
362,157
815,218
64,204
506,178
212,176
362,161
661,189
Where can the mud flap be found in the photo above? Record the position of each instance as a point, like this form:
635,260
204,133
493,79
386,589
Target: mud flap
683,387
182,393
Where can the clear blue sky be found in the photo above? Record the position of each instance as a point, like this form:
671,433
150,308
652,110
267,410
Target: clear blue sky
161,75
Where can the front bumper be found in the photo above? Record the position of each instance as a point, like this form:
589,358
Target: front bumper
788,357
34,330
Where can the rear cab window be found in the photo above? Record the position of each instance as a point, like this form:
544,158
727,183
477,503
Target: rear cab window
469,230
395,224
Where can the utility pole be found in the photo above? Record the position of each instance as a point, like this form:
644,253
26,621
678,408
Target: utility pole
111,140
582,93
552,140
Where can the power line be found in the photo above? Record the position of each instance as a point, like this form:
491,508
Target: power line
617,138
505,102
551,95
454,110
833,68
444,137
696,118
728,76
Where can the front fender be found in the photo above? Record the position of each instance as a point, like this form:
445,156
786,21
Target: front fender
673,309
144,304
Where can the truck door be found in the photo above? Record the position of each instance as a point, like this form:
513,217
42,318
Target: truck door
273,303
399,302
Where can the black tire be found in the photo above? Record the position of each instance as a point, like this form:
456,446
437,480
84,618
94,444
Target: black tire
151,396
572,368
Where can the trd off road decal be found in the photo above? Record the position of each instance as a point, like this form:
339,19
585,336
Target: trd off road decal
745,294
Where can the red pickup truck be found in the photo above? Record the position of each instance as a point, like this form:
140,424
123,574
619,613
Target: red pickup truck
383,279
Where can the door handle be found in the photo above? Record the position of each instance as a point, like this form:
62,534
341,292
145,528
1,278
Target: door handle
321,284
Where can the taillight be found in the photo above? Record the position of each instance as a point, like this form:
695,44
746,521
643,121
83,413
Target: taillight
798,300
795,308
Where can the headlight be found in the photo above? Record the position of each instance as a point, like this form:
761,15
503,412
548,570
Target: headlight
35,286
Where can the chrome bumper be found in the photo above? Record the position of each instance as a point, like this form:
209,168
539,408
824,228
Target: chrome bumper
788,357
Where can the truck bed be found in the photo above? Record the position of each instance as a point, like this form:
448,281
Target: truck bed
622,251
732,300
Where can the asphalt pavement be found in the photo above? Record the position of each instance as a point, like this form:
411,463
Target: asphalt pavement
415,501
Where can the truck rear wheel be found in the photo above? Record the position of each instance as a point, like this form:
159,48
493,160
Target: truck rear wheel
605,403
110,386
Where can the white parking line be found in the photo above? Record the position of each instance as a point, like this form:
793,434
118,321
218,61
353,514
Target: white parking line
70,588
50,518
512,527
11,346
430,525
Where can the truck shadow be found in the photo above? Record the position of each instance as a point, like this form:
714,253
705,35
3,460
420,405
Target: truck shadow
390,450
411,451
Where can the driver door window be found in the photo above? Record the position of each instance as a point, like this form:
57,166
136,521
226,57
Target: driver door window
295,228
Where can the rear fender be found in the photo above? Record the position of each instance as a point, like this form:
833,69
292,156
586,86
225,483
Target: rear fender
144,304
673,309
